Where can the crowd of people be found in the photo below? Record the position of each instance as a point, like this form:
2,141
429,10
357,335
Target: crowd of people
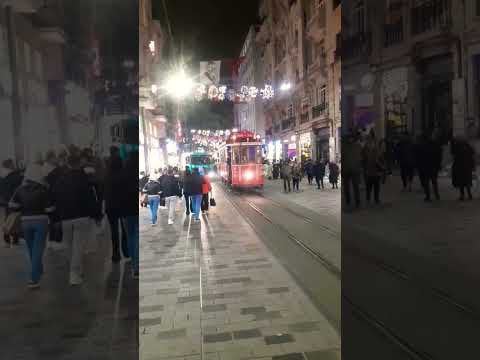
61,197
369,161
164,191
292,172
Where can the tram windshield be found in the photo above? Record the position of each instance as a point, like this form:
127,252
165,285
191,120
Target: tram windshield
201,160
247,154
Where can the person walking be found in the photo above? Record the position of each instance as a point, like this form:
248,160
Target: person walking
463,166
287,175
114,188
171,191
11,179
187,189
429,163
34,202
309,171
206,189
319,171
196,193
406,159
374,169
129,210
351,169
296,175
333,174
152,191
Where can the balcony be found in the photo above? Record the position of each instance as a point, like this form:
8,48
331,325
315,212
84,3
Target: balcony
431,15
319,110
289,123
393,33
304,118
356,45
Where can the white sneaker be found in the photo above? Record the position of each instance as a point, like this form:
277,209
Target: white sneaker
75,280
170,222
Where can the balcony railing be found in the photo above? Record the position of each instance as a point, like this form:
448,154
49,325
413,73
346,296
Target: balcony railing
288,123
393,33
356,45
319,110
431,15
304,118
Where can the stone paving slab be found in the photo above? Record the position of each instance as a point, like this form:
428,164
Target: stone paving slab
231,299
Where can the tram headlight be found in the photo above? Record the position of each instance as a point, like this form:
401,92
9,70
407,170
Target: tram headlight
248,175
211,174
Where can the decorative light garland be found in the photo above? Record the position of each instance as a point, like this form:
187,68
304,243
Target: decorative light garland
221,93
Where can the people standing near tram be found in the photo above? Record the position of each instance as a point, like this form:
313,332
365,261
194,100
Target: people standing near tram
171,190
296,175
152,190
35,203
196,193
333,172
287,175
319,172
463,166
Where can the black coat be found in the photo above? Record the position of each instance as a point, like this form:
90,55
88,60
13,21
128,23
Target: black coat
74,196
429,158
319,170
8,185
113,191
463,164
195,185
152,188
129,194
32,199
170,186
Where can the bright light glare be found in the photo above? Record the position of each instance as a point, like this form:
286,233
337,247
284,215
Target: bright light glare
179,85
212,175
285,86
248,175
154,88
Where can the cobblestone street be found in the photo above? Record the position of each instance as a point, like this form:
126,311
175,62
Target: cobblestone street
213,290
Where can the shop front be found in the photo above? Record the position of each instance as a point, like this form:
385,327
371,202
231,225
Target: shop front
305,146
322,144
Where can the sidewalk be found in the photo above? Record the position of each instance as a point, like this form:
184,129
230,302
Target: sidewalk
214,291
58,321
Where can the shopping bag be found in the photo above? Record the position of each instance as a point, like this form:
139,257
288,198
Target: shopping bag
12,224
213,202
162,202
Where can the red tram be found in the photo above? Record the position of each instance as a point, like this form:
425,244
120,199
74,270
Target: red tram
241,161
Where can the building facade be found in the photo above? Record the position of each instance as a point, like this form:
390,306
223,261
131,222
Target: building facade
412,65
153,41
297,42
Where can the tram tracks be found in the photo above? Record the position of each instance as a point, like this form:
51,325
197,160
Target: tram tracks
358,311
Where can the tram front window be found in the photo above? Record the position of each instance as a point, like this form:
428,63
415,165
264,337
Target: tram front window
201,160
247,155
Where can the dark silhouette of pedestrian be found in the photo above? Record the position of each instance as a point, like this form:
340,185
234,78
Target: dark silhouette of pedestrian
463,166
429,163
406,159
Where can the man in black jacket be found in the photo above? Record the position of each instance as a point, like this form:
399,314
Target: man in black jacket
196,193
11,179
170,191
76,206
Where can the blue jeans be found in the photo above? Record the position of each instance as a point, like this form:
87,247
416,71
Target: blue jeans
197,201
131,225
153,202
35,234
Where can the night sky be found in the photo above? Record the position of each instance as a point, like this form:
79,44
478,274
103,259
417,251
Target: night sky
209,29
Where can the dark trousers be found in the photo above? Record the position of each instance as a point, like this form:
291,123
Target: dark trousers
352,180
462,192
296,183
406,173
55,233
319,180
188,204
286,181
426,179
115,224
310,179
373,183
204,205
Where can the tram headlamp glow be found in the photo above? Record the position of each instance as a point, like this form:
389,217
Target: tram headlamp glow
248,175
211,174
